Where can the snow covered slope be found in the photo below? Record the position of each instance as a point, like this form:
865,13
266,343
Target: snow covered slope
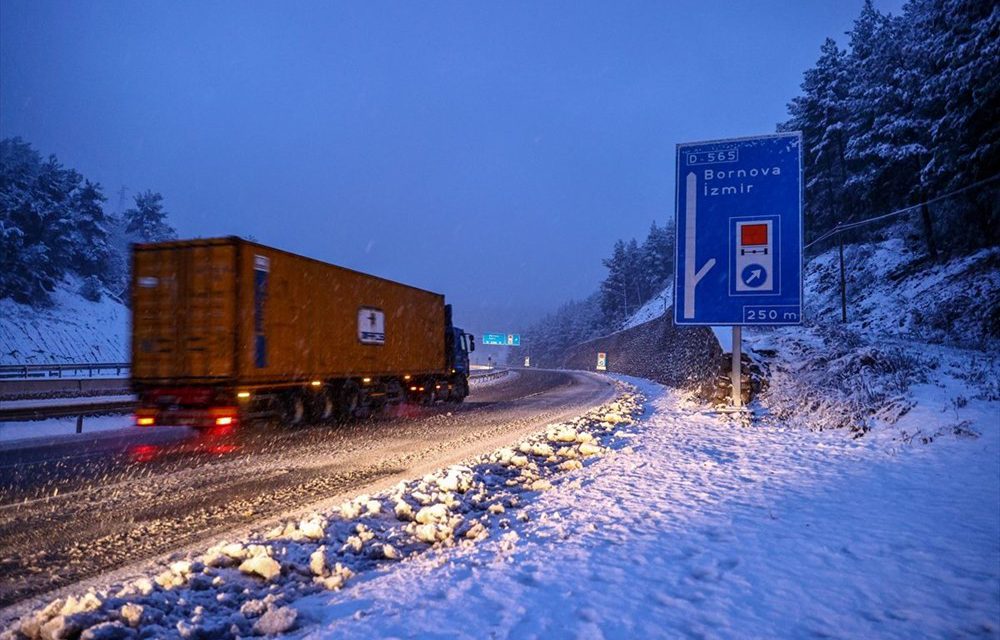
653,309
72,330
893,291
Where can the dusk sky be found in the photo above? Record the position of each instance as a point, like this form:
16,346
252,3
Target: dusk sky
489,151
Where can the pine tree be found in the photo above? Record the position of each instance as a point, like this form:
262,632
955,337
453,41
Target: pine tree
658,256
820,113
92,251
960,95
147,221
614,288
35,219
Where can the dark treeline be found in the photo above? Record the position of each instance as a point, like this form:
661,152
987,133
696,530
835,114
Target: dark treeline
53,223
909,111
636,273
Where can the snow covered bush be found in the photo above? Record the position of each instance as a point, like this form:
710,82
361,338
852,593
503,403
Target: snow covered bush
91,289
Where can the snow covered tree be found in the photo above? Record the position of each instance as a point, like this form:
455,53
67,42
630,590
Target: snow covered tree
52,222
34,218
658,257
90,232
820,113
147,221
960,95
615,288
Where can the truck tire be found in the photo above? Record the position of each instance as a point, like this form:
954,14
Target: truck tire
324,406
348,400
294,410
458,391
394,393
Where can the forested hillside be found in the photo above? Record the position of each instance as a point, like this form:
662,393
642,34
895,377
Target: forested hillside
53,224
907,113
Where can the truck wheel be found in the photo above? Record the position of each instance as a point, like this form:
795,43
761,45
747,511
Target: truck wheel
394,393
324,406
348,400
294,413
459,391
430,395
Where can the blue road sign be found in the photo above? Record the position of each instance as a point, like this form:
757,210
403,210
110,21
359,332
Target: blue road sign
739,231
502,339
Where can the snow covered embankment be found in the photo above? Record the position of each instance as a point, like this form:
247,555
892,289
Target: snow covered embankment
869,373
707,528
72,330
240,588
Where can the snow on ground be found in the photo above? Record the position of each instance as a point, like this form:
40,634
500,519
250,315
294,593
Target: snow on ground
72,330
709,528
252,586
892,290
32,429
654,308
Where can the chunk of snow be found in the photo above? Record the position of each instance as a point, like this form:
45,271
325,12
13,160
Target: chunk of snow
588,449
131,613
317,561
403,511
276,621
261,565
432,514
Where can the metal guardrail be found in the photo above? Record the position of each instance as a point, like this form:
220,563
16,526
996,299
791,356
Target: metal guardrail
491,374
65,410
73,370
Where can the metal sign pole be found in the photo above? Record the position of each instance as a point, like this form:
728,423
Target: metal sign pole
737,349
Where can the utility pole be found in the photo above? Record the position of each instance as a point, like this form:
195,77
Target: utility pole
843,279
121,199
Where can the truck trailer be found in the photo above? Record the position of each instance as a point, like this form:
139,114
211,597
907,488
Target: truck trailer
226,330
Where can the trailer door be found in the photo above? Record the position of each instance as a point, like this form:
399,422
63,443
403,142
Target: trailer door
184,315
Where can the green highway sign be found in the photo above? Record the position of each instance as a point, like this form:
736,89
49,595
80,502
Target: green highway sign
502,339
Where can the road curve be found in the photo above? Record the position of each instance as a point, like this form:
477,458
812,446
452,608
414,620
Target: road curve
71,510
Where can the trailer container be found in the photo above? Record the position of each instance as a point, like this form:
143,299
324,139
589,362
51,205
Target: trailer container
225,329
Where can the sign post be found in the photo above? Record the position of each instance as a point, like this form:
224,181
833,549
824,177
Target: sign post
741,259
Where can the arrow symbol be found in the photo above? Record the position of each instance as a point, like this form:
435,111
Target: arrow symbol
755,274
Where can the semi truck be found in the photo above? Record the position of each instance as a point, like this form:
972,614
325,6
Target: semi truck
226,330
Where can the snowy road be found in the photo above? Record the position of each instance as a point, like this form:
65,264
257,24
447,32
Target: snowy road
74,509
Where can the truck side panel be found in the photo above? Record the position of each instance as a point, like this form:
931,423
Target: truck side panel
299,321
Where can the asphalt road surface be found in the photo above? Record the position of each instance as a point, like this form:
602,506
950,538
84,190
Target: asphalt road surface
77,508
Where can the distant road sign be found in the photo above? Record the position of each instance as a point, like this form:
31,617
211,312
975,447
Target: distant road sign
739,231
502,339
602,361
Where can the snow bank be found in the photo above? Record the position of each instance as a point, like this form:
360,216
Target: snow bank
251,587
704,527
72,330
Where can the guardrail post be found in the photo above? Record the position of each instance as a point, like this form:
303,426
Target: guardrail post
79,424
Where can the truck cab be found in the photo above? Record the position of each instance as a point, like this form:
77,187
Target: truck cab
461,344
458,345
